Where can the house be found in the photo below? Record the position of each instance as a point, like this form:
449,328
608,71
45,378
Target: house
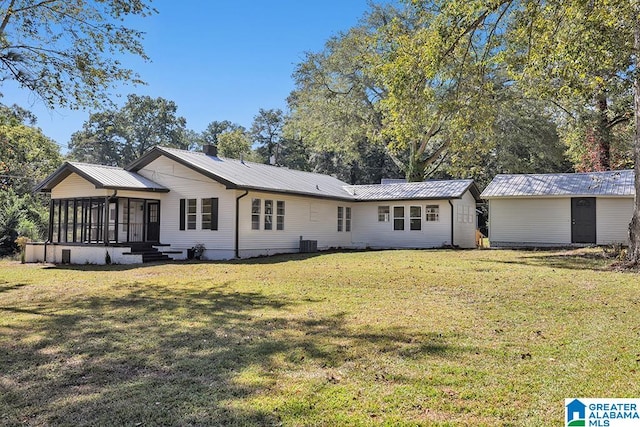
170,201
560,209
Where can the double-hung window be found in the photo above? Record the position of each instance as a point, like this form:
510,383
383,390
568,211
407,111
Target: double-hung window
280,215
398,217
255,214
347,219
415,217
340,218
268,214
192,210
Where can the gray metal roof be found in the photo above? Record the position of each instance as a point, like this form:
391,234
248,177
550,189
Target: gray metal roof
255,176
252,176
612,183
109,177
433,189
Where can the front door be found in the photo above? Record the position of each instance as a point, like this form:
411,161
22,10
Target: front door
153,221
583,220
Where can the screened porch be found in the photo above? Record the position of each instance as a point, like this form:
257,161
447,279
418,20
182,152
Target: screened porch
104,220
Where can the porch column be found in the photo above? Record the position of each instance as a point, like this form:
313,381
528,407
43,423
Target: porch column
105,225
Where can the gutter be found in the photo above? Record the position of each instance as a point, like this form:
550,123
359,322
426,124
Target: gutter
451,204
238,222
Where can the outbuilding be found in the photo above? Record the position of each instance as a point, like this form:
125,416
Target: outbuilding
564,209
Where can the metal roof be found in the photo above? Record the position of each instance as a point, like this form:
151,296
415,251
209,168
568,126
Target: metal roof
108,177
611,183
433,189
251,176
255,176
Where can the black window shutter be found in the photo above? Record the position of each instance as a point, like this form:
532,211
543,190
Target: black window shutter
183,212
214,213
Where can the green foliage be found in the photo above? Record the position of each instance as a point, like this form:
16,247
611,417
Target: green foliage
216,128
26,157
67,51
235,144
266,133
118,137
334,108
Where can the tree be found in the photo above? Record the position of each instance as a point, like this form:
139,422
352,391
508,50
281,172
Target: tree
26,157
335,110
118,137
215,128
234,144
66,51
573,48
266,132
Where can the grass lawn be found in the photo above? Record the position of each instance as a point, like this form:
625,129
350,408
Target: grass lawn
393,338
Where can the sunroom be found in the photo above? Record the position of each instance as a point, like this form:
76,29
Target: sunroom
94,206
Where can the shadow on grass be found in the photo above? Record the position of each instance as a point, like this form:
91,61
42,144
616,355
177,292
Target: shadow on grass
161,356
571,260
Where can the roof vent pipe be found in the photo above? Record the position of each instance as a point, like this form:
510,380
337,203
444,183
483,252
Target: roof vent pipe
210,150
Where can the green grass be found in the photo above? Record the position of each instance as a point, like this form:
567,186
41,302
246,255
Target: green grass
391,338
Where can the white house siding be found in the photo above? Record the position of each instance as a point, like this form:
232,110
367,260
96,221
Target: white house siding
76,186
184,183
369,232
307,218
531,221
613,216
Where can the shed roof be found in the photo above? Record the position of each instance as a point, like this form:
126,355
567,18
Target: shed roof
590,184
426,190
108,177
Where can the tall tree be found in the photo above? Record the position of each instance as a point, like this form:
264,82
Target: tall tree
216,128
117,137
26,156
334,107
67,51
235,144
566,47
266,132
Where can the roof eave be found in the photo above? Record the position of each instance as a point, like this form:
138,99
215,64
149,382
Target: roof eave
60,175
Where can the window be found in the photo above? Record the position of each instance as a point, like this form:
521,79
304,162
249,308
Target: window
464,214
255,214
209,209
398,217
280,215
347,219
415,217
383,213
340,217
432,212
268,214
192,210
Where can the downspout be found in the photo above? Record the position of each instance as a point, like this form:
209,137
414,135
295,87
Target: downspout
238,222
451,204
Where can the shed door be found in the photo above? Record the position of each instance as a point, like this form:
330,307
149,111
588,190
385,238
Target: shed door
583,220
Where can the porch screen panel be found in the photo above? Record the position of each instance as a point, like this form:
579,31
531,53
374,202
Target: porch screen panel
70,216
55,221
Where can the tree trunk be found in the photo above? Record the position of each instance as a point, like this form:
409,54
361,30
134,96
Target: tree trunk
602,133
633,255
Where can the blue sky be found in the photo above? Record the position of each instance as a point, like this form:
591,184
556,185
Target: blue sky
216,59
